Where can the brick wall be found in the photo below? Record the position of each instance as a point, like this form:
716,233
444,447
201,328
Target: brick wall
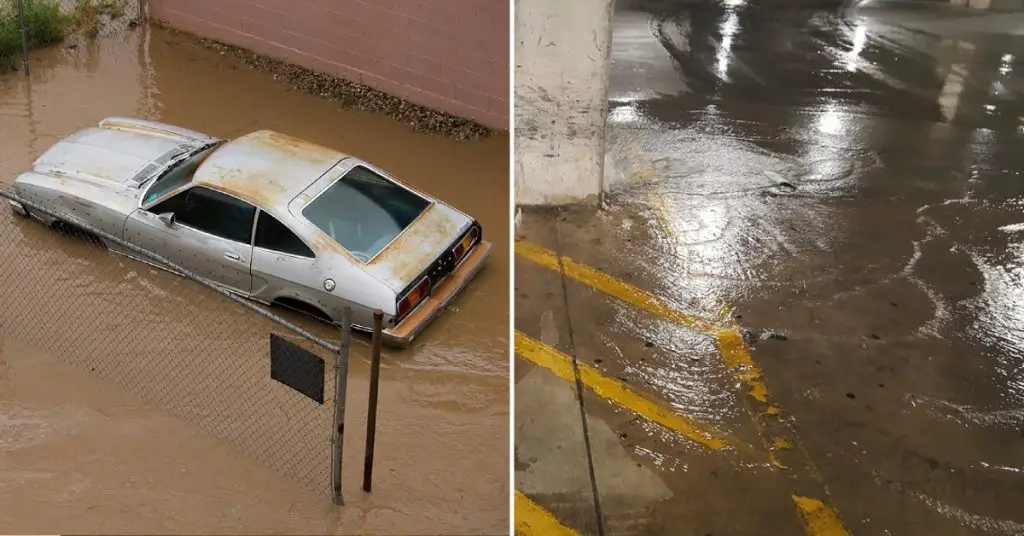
451,55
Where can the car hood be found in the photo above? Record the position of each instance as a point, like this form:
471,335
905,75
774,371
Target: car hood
413,251
110,156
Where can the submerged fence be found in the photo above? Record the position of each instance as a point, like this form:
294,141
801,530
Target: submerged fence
273,390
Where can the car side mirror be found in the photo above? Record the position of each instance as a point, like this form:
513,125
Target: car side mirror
167,218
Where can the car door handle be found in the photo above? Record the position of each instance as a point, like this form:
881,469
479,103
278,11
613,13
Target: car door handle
232,256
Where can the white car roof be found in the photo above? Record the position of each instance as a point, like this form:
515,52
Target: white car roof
266,168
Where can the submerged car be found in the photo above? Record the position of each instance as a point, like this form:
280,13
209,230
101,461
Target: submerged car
266,216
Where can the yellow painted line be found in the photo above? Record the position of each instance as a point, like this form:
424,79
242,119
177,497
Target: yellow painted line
737,356
545,356
533,520
728,338
819,519
612,286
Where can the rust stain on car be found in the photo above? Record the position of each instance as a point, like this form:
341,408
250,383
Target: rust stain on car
418,246
292,147
266,168
119,125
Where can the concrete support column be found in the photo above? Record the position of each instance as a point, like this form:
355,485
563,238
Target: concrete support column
993,5
562,64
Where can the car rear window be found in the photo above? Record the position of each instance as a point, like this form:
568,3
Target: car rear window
364,211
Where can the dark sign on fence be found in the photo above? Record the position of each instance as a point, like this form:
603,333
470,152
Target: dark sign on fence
297,368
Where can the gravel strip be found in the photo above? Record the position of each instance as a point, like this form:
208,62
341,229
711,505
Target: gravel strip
351,95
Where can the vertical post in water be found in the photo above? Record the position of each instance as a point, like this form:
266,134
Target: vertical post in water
371,417
340,388
24,35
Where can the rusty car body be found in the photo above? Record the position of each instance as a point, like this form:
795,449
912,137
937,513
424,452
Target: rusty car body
266,216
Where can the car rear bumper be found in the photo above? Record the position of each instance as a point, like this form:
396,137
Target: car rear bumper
404,333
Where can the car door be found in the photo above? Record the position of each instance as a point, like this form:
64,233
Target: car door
282,264
211,235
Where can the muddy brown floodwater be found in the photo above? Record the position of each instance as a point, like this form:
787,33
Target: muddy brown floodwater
79,453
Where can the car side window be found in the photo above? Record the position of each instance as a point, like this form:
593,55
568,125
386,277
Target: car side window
211,212
273,235
174,205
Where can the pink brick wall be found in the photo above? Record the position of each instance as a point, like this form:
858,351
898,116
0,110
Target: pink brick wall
451,55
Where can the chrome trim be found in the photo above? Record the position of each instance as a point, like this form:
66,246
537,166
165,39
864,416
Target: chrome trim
18,207
255,221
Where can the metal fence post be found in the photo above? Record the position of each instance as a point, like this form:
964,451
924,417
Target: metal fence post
340,385
371,417
24,35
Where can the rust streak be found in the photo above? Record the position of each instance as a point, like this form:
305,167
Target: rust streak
408,258
118,125
292,147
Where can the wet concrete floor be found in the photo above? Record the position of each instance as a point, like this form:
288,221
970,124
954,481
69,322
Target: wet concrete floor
847,189
89,457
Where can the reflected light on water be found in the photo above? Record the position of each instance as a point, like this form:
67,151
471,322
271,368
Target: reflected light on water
624,114
728,29
952,87
624,109
860,37
831,120
1006,64
1001,317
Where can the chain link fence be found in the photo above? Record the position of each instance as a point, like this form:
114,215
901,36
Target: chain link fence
30,24
221,362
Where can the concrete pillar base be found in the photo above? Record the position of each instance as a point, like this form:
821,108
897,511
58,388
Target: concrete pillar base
991,5
562,64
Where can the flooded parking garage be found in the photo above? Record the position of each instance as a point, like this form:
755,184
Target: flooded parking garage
795,312
89,457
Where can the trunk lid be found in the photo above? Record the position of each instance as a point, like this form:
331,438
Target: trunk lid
421,248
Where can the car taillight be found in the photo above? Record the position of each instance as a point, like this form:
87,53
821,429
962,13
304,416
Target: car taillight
466,244
413,297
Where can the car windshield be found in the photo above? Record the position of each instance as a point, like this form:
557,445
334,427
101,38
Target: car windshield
178,175
364,211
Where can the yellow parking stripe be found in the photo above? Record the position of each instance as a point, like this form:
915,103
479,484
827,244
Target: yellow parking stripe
728,338
545,356
778,435
737,356
610,285
532,520
819,519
